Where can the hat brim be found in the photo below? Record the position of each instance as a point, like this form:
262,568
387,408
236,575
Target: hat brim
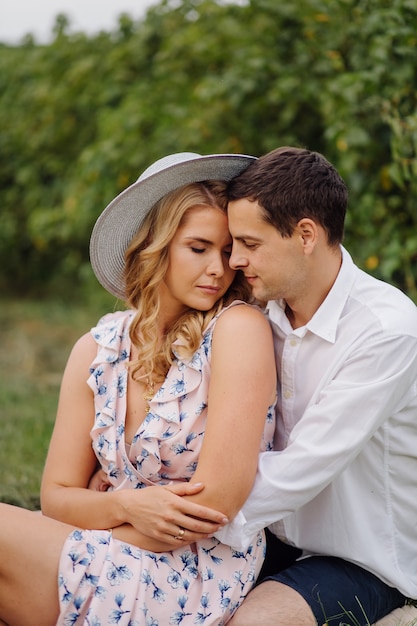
122,218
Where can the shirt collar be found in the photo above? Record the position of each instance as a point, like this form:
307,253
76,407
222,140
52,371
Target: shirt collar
325,320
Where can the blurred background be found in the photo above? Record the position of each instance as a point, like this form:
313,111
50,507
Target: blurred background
86,106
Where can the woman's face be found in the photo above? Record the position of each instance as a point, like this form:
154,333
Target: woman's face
198,272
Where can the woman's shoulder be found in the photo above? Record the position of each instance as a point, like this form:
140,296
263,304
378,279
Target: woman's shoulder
110,322
238,326
239,312
112,332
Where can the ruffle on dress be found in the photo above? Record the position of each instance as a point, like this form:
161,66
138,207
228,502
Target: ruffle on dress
161,429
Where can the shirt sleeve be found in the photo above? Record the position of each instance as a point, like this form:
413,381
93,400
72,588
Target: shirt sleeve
374,383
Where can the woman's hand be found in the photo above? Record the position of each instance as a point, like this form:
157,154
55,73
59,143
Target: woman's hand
161,513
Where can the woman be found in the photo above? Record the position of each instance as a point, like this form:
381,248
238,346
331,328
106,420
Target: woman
178,388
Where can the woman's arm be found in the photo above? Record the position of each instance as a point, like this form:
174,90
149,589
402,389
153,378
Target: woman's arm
242,387
71,462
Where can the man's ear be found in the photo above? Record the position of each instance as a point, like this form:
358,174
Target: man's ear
309,234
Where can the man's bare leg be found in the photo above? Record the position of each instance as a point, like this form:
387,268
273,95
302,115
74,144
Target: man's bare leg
30,548
273,604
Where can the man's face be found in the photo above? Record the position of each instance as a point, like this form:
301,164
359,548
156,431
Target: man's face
273,265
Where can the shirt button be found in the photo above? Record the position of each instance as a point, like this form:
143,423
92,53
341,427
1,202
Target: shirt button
293,342
287,394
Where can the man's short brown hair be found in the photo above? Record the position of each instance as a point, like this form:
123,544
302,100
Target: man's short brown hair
292,183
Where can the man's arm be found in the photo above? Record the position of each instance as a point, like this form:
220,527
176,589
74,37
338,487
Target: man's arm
375,382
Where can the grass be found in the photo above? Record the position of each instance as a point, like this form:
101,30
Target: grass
353,621
35,338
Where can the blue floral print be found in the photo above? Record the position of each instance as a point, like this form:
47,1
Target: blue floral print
104,581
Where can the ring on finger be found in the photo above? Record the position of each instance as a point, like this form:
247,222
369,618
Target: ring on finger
180,534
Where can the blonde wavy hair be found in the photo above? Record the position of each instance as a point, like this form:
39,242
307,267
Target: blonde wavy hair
146,265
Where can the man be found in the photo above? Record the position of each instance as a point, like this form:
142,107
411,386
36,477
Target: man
342,485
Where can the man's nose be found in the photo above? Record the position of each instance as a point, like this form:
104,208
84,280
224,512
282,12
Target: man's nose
237,260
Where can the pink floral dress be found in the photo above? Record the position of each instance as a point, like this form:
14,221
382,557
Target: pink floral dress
105,581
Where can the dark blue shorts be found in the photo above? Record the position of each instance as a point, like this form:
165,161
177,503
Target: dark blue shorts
337,591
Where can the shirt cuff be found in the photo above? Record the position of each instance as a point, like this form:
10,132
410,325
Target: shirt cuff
239,533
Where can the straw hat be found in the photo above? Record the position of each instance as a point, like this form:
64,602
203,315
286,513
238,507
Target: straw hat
122,218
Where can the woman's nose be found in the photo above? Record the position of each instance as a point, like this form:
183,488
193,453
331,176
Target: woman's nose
216,266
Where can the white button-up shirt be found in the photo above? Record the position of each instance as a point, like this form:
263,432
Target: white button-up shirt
343,481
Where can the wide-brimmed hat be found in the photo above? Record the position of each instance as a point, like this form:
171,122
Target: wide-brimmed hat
122,218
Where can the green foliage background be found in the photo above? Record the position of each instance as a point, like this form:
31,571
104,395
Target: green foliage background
80,118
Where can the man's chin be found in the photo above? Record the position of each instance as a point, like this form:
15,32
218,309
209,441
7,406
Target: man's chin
257,292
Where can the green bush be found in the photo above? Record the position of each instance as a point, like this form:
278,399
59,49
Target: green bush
83,116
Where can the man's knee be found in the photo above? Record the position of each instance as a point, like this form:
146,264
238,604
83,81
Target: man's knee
273,604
